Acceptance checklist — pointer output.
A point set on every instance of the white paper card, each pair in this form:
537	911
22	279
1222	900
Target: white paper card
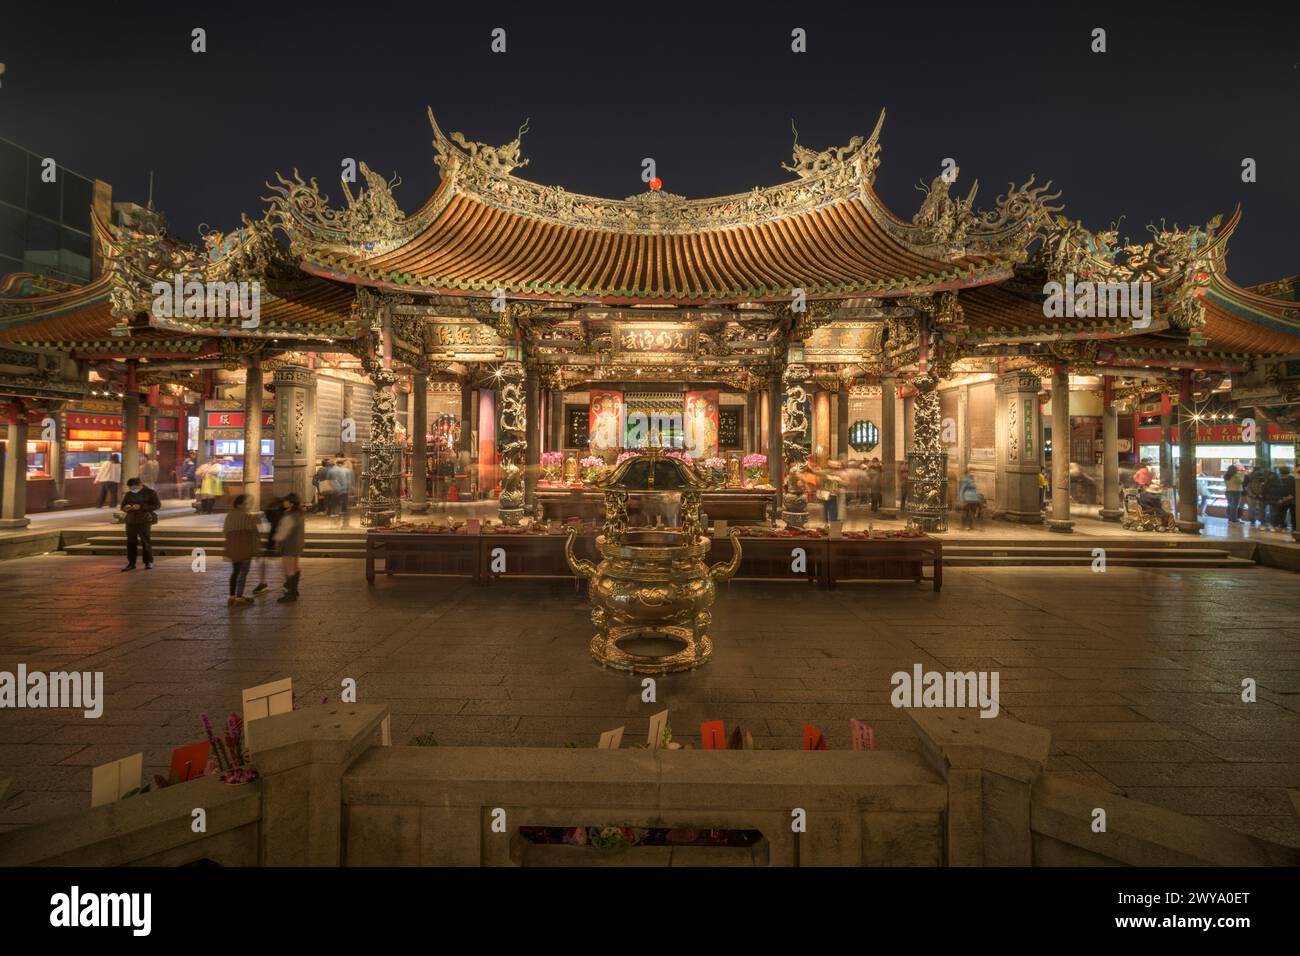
720	528
108	783
611	739
267	700
835	529
655	739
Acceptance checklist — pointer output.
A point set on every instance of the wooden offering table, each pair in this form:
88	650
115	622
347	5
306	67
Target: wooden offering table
529	556
413	552
884	559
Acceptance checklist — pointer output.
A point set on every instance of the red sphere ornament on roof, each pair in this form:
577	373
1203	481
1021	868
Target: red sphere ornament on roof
656	183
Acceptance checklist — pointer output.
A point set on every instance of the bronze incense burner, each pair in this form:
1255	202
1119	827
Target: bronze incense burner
651	592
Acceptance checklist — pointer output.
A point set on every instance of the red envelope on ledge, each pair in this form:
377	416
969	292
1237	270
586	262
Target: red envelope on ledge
713	735
864	738
813	739
189	762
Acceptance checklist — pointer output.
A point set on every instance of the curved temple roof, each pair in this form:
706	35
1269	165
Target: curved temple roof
825	233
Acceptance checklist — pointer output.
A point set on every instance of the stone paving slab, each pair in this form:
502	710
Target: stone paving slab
1136	673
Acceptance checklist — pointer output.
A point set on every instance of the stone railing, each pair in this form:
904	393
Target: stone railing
332	794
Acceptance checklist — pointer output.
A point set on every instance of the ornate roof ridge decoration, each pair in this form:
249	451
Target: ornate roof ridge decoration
825	178
1179	263
371	222
948	228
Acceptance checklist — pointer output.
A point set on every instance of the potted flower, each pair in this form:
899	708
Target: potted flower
592	468
716	465
625	455
755	469
228	756
552	463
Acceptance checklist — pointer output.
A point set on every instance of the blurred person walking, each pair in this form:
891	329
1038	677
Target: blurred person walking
272	514
290	535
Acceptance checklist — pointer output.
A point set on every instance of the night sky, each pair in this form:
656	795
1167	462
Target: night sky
1155	127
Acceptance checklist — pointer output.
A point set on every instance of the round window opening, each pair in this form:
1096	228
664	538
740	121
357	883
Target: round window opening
863	436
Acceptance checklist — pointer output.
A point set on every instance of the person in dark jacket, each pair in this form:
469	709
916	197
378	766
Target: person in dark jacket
1279	498
290	535
139	504
272	512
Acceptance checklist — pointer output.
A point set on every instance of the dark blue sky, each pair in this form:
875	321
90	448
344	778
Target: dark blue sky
1156	127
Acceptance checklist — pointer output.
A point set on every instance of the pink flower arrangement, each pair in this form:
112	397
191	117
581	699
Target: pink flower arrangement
552	458
715	463
755	461
228	754
591	461
625	455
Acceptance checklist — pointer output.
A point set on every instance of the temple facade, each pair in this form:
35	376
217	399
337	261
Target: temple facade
489	341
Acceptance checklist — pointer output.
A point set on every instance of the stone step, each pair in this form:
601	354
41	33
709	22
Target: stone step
87	549
970	551
1086	559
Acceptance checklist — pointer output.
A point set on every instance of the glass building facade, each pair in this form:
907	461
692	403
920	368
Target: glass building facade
44	226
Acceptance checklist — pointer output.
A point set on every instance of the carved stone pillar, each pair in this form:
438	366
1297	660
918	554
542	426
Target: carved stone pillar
292	462
514	443
419	430
842	449
794	425
130	427
927	461
466	416
1187	520
888	445
253	433
1060	519
382	506
1110	510
774	462
1019	458
533	453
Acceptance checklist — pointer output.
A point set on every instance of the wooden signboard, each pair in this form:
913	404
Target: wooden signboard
577	423
729	435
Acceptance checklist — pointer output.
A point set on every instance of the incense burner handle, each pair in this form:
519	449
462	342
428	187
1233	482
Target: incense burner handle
579	566
723	570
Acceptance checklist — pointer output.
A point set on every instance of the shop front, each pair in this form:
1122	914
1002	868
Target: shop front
92	438
222	447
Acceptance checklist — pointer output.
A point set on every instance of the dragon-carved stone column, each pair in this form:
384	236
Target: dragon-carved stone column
794	457
382	506
927	461
514	442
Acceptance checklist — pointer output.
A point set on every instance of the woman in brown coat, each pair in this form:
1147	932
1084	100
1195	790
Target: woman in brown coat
243	541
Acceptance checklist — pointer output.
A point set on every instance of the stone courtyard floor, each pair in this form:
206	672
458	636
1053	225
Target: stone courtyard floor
1136	673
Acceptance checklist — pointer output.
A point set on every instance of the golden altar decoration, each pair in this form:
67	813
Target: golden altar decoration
651	592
